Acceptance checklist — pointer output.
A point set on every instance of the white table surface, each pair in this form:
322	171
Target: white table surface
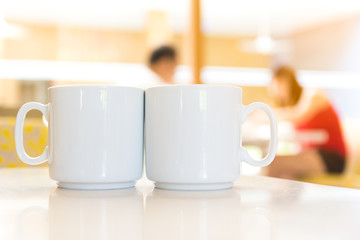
32	207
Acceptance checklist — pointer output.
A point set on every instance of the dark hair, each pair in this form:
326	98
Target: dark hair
162	52
286	73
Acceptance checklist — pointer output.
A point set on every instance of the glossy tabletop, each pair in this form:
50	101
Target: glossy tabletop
32	207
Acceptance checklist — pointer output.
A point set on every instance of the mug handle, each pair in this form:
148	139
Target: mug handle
19	131
244	155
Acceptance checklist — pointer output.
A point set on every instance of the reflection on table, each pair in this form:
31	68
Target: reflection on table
257	207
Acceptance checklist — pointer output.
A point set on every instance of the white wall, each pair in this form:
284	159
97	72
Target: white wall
334	46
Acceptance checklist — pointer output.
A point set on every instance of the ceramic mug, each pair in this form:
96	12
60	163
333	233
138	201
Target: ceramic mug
95	136
193	136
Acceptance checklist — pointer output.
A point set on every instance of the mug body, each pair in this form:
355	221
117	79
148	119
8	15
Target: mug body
192	136
95	136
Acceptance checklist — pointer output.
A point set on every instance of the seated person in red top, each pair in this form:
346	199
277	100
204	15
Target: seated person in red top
307	110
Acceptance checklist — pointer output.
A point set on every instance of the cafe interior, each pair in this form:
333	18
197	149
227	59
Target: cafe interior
299	57
238	43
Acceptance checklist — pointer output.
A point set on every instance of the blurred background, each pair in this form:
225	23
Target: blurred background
45	43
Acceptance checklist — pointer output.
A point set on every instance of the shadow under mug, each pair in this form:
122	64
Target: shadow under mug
193	136
95	136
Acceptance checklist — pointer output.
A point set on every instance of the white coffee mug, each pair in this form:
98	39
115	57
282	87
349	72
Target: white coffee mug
95	136
193	136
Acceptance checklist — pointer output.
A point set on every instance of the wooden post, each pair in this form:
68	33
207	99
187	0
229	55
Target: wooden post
196	41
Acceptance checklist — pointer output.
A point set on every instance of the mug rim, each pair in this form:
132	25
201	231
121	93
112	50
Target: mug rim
189	85
79	86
